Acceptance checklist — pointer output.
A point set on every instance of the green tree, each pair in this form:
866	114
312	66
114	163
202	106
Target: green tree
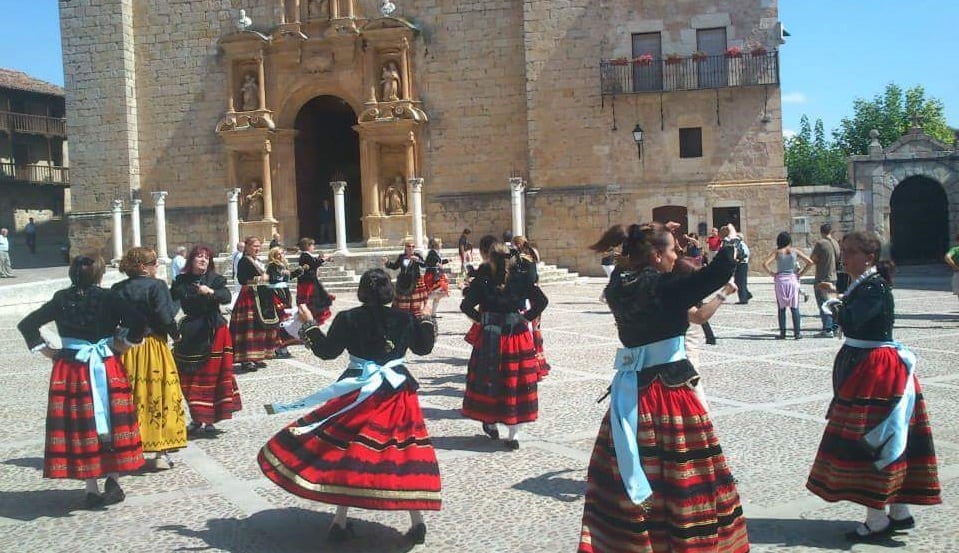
891	114
811	159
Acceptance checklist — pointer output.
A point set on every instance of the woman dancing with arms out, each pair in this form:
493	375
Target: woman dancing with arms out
657	479
502	376
91	418
309	288
366	446
204	353
877	448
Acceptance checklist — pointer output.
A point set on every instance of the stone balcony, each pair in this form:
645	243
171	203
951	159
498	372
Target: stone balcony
625	76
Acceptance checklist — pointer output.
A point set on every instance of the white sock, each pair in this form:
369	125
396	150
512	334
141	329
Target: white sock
416	517
92	486
876	519
513	431
899	511
339	519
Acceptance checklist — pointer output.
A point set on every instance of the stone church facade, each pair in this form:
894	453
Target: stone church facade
468	96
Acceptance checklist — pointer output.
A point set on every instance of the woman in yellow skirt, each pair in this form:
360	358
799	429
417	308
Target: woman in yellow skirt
150	366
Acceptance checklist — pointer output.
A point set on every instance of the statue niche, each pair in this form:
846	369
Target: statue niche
390	82
249	97
394	199
253	202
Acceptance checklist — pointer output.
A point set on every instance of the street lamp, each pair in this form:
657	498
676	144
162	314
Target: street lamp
638	139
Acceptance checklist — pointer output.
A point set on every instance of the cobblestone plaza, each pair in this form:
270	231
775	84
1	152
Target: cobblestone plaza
767	397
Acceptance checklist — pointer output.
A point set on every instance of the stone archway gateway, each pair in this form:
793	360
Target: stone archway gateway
918	221
327	149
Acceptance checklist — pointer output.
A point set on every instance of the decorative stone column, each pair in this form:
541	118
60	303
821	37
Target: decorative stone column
339	209
416	191
159	202
267	185
117	231
517	187
135	220
233	217
261	75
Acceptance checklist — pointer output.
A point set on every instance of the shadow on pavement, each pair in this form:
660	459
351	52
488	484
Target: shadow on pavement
432	414
292	530
823	534
551	485
34	504
26	462
479	443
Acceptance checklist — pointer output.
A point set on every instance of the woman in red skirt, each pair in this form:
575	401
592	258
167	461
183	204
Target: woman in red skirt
254	319
411	292
502	376
204	353
877	448
366	445
437	284
657	479
309	289
92	427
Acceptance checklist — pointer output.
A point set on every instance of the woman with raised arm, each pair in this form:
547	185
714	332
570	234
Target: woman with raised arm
309	288
503	372
877	448
204	353
150	366
411	292
254	319
92	427
657	479
366	445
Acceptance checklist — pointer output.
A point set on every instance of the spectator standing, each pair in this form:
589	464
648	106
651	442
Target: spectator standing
952	259
31	233
713	242
276	242
325	219
6	270
825	254
465	250
741	276
177	263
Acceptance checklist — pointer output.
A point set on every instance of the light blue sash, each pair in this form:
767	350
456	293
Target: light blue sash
889	438
624	407
93	355
276	285
368	381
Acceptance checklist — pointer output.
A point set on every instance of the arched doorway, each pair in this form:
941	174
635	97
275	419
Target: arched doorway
327	149
918	221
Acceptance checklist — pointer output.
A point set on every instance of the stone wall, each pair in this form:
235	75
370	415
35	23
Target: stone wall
481	212
823	204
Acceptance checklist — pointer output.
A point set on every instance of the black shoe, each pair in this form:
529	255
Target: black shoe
112	492
259	365
491	430
248	366
93	501
340	534
417	534
870	535
781	336
902	524
283	354
798	336
193	427
512	444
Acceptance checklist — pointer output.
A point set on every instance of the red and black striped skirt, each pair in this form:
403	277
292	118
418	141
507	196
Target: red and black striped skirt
73	449
544	367
211	392
507	395
844	470
305	291
251	342
377	455
437	282
414	302
694	506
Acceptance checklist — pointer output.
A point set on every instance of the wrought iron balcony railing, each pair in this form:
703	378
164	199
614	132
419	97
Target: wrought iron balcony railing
625	76
32	124
43	174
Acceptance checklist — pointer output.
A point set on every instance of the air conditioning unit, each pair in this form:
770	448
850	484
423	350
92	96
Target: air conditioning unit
800	225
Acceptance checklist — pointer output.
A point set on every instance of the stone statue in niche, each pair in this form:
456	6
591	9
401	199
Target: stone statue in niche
390	81
318	9
394	200
253	202
249	99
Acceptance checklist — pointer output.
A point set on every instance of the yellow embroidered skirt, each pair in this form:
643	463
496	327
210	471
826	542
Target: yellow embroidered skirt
156	392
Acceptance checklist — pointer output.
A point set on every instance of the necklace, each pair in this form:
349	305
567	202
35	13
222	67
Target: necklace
868	273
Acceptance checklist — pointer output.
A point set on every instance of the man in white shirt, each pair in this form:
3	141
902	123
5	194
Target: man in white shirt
177	263
6	270
234	260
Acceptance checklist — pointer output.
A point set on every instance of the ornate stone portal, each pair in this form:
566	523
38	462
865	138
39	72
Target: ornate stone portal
322	48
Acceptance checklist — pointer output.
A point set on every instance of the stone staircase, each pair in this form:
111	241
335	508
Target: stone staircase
338	279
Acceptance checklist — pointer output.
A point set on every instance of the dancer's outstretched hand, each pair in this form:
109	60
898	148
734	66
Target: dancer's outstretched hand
304	313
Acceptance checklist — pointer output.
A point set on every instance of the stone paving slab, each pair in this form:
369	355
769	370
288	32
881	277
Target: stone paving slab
767	398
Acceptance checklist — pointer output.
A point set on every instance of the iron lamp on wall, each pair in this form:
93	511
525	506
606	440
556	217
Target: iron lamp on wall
638	139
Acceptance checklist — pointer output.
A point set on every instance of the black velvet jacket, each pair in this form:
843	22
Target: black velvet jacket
246	271
312	262
152	299
90	314
195	305
373	332
869	311
650	306
490	298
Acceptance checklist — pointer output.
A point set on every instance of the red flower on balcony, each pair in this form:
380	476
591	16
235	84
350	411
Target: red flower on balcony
619	61
645	59
673	59
734	52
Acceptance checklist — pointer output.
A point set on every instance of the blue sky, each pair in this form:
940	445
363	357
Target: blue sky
839	50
